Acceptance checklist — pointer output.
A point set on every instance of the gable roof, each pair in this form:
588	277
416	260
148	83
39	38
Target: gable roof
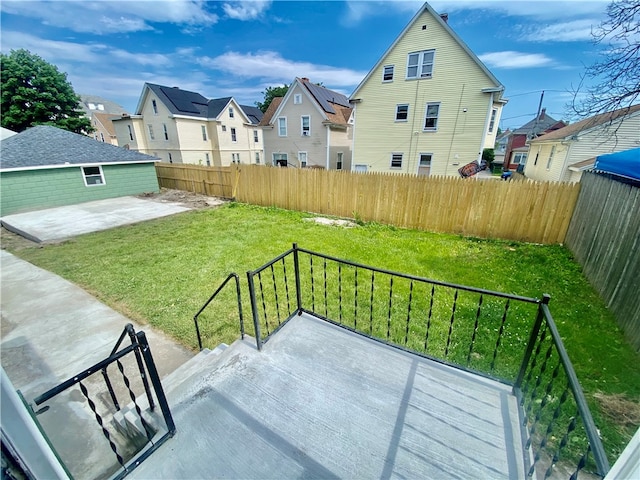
325	97
540	123
107	105
427	8
105	121
271	109
587	124
44	146
192	104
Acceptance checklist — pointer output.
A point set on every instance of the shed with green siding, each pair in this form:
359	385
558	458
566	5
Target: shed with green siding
46	167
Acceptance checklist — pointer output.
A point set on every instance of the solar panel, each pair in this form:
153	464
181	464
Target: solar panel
183	100
324	96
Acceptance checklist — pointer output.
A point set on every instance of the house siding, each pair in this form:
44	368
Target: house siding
456	84
26	190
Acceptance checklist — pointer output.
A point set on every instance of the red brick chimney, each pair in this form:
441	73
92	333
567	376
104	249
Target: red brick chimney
445	17
542	113
304	79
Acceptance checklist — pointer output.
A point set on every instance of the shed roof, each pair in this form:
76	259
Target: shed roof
44	145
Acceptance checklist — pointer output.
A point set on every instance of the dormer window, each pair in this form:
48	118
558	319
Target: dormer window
420	64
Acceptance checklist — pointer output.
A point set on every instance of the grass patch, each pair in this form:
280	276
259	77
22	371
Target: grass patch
161	272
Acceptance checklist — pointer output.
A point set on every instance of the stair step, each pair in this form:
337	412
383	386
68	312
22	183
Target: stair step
191	367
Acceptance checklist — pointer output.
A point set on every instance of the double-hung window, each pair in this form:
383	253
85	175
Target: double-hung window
302	158
492	122
387	74
431	117
204	132
339	161
402	112
230	112
258	158
255	136
154	105
396	160
306	125
151	136
166	132
297	99
234	137
93	176
551	154
420	64
282	126
130	132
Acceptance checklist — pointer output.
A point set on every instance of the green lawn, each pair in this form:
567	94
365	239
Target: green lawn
161	272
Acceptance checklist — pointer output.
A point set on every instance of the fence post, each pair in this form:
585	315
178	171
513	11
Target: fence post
532	340
296	267
254	310
143	374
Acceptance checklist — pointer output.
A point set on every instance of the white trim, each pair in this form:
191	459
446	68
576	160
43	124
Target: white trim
102	182
73	165
485	131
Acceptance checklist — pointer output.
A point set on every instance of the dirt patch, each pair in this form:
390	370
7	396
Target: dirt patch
14	242
619	409
192	200
332	221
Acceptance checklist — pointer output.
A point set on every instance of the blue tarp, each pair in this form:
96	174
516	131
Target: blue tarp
625	163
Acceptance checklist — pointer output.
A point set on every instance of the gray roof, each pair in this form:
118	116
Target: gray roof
44	145
184	102
539	124
107	105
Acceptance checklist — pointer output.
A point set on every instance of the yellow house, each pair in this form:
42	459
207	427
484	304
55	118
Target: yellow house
562	155
428	107
180	126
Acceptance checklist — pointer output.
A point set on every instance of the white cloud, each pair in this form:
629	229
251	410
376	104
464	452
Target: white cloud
576	30
246	10
511	60
112	16
271	66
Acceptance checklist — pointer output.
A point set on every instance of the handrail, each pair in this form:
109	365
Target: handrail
206	304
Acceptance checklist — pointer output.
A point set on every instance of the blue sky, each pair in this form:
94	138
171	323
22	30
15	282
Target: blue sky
227	48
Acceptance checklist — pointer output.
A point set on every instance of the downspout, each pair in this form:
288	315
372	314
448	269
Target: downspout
486	128
328	146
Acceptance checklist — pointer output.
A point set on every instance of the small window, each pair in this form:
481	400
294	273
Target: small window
151	136
387	75
306	125
224	128
402	112
282	126
230	112
431	117
420	64
280	159
102	136
551	154
492	122
302	158
396	160
207	159
257	158
170	158
339	161
92	106
130	132
425	159
92	176
255	136
519	158
234	138
297	99
204	132
166	132
235	157
154	105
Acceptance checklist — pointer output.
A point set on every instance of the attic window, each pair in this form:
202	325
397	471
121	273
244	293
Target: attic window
420	64
297	99
424	27
93	176
155	106
387	75
230	112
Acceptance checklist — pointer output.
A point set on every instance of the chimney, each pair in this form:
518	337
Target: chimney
445	17
304	79
542	113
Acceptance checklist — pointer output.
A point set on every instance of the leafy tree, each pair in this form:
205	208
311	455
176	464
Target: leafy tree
269	94
617	74
35	92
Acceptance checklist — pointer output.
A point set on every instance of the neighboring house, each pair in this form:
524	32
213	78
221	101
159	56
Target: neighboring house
6	133
517	148
46	166
180	126
428	107
308	127
500	147
562	155
100	111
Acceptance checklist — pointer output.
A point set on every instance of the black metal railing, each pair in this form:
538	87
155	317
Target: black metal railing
473	329
212	297
147	369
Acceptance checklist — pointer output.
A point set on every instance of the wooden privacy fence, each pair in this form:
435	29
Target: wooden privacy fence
525	211
604	236
211	181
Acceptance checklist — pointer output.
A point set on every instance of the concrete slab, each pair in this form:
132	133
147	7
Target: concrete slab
60	223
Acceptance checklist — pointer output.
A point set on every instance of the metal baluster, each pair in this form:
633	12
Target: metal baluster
313	289
581	463
406	332
453	316
264	305
132	395
475	331
105	432
389	313
534	362
426	335
286	285
340	290
499	340
326	310
275	292
544	401
355	306
371	304
563	443
543	368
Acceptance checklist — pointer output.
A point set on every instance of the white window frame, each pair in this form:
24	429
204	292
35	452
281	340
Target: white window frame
340	161
519	158
255	136
398	106
99	175
281	156
492	121
421	65
297	99
154	105
235	158
420	155
224	128
387	73
427	116
551	154
257	158
234	135
151	135
231	113
282	126
303	159
394	159
305	132
203	128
